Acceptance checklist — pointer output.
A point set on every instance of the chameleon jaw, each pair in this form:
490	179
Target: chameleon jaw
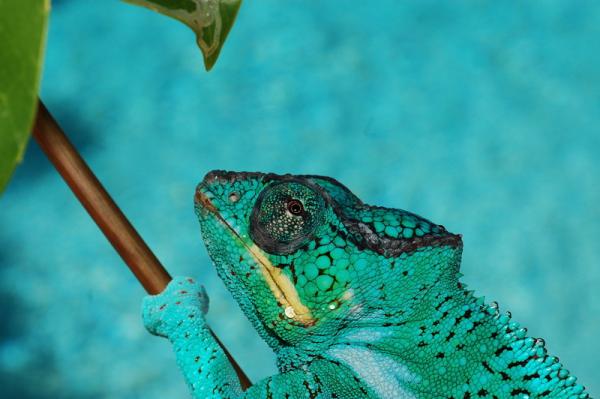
280	285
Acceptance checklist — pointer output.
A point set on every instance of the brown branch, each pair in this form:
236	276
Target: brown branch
105	212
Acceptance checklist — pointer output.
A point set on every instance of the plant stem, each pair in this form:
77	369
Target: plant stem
105	212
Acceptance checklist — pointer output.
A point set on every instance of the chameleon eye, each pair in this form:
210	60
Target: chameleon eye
295	207
285	216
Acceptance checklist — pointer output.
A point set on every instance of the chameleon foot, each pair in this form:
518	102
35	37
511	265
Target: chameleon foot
183	299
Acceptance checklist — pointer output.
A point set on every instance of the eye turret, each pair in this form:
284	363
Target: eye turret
286	216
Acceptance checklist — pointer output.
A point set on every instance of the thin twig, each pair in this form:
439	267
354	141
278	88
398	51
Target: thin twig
105	212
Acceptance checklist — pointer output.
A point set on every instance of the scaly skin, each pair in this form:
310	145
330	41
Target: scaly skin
356	301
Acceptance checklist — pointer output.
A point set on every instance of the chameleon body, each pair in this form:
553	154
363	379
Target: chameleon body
357	301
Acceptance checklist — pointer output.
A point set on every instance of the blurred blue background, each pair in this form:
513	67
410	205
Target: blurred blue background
480	115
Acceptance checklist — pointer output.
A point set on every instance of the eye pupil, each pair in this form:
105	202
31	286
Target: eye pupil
295	207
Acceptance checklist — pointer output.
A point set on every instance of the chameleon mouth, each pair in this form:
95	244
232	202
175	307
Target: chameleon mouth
205	202
281	286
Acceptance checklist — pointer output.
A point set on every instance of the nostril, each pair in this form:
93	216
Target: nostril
234	197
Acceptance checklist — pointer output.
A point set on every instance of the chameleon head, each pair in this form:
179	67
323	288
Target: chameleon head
294	250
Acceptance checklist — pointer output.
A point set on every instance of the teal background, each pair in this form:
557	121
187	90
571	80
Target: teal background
480	115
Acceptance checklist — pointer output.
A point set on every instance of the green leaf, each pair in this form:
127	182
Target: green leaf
211	20
22	38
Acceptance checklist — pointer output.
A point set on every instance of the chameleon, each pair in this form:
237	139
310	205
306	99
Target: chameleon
356	301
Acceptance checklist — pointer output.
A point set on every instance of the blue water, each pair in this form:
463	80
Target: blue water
482	116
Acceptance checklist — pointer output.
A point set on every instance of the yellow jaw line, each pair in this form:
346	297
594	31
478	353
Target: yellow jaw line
282	288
